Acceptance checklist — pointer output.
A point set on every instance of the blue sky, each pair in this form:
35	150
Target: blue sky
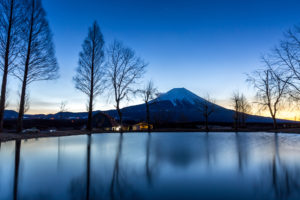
206	46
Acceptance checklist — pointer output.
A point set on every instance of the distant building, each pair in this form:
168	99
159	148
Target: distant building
143	126
114	128
105	122
118	128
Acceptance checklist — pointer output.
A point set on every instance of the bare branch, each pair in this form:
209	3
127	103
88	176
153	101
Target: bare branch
206	107
271	89
26	104
90	77
241	109
124	70
11	22
37	56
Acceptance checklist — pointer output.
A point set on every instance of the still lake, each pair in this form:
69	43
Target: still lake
152	166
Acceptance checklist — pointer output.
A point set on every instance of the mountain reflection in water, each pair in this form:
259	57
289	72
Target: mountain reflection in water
152	166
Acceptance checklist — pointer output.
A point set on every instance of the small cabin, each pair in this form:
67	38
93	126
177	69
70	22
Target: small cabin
114	128
118	128
143	126
105	122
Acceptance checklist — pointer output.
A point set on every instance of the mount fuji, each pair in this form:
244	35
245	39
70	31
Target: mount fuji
178	95
180	105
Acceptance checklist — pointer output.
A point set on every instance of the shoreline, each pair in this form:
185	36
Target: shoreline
7	136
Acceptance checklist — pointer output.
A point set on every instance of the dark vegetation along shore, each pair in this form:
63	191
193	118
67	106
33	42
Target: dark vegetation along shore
9	135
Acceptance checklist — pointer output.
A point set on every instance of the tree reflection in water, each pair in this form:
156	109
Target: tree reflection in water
207	149
285	180
242	150
80	186
88	167
115	186
147	164
58	153
123	180
17	165
151	165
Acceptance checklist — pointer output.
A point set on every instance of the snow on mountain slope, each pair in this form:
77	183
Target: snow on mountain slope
179	94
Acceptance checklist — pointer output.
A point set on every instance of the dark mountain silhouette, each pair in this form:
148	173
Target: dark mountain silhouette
178	105
11	114
181	105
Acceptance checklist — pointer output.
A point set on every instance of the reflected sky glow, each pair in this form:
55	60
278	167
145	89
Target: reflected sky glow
154	166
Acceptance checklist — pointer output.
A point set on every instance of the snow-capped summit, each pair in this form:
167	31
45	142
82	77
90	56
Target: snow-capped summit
178	95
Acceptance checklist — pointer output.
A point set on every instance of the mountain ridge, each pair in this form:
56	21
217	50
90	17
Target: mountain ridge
178	105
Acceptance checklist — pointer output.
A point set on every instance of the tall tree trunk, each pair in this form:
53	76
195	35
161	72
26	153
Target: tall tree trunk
17	164
3	98
206	123
275	126
120	116
90	116
236	121
206	118
243	120
5	70
22	102
26	67
148	116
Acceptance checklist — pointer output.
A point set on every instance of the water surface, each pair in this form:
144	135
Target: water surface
153	166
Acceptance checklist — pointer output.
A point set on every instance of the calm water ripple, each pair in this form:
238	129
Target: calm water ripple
152	166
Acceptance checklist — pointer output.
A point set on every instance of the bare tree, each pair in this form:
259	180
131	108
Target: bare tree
90	77
237	107
6	99
38	60
26	104
10	26
62	108
245	109
148	93
241	108
286	57
206	108
124	69
271	89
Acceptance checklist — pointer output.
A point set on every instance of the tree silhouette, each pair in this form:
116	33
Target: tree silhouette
90	77
62	108
148	93
241	108
124	70
286	58
236	106
207	108
271	89
10	28
38	60
26	102
245	108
